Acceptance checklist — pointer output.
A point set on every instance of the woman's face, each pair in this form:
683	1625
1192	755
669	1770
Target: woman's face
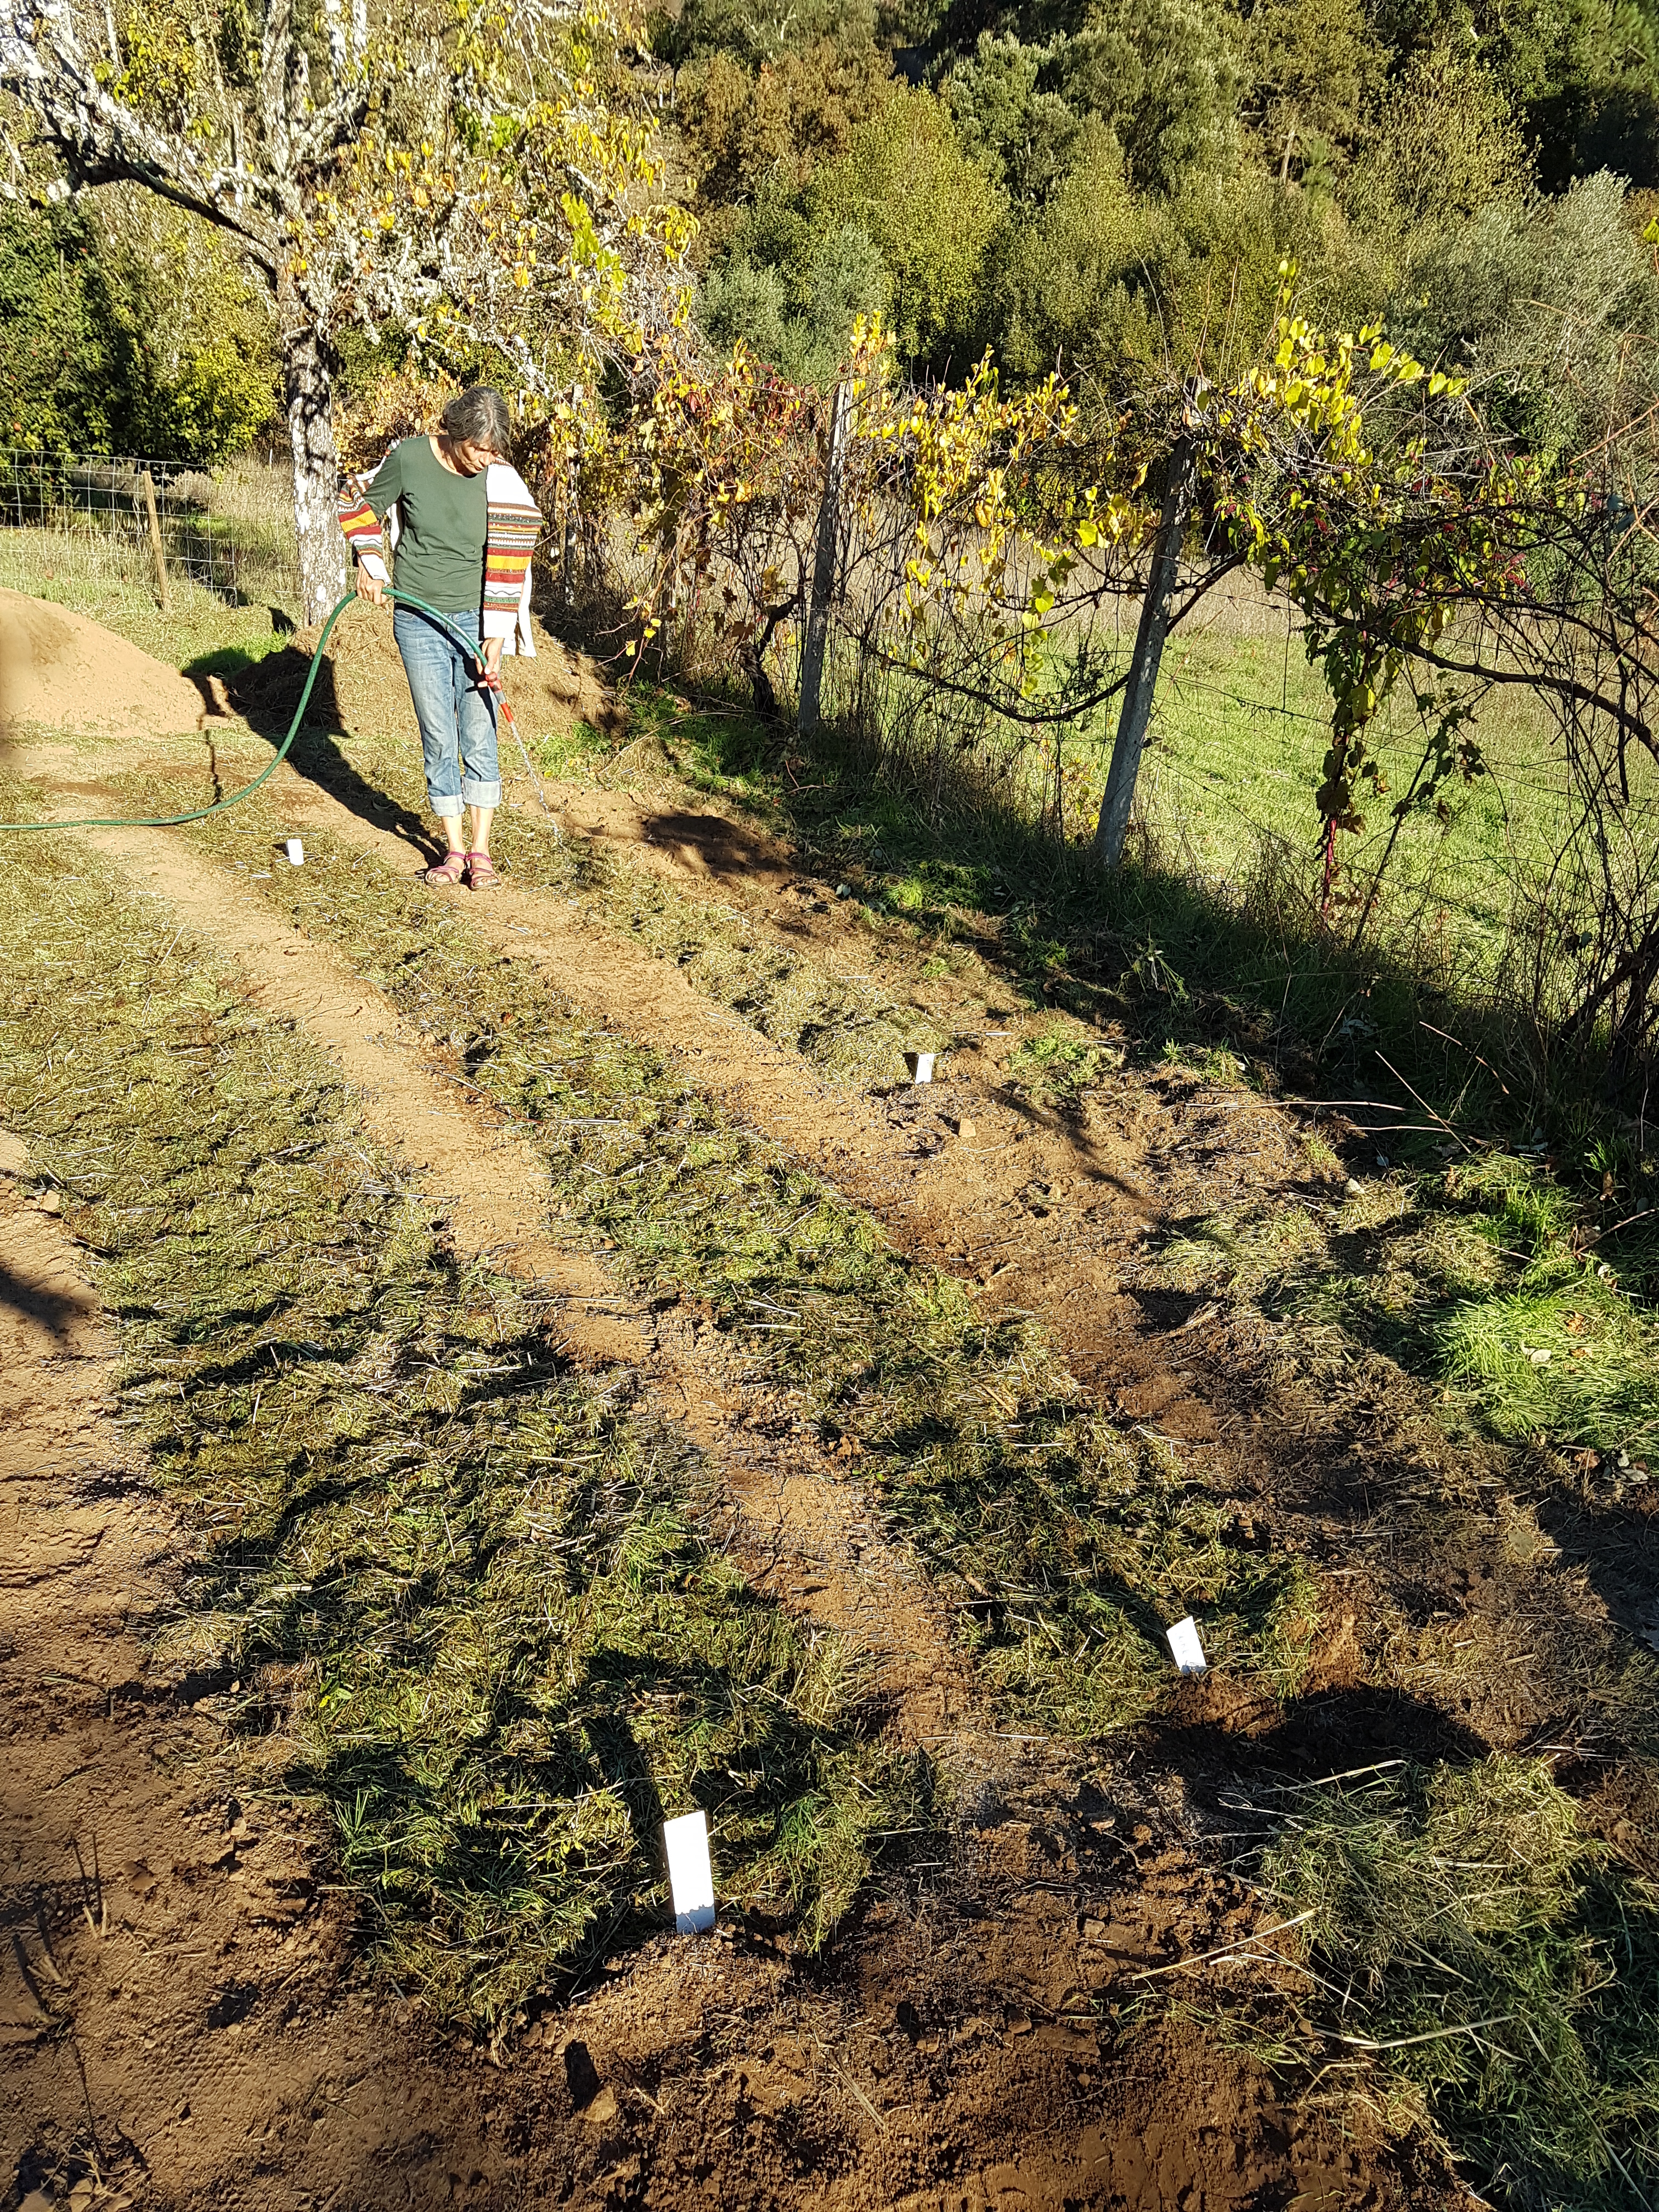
469	456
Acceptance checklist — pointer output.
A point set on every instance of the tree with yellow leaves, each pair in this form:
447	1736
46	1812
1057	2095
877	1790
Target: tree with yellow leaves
485	177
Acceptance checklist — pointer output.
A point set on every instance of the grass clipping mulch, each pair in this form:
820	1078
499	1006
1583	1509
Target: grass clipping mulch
1065	1542
1457	1924
474	1601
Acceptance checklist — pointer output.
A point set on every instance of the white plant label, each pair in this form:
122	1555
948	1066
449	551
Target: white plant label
691	1877
296	854
921	1066
1184	1647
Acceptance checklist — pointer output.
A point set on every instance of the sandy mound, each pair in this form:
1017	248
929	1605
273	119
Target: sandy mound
60	670
363	692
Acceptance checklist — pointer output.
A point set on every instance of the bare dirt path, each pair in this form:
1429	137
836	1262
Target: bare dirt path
810	1537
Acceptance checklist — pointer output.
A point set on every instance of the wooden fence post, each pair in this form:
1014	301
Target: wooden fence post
147	485
1114	823
823	567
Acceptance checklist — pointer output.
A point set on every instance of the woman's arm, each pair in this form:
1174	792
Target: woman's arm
514	525
362	506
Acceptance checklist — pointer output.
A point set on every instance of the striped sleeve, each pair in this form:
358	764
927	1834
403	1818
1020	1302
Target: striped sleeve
515	524
358	519
362	502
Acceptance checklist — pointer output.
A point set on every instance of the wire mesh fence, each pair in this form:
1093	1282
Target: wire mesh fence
227	530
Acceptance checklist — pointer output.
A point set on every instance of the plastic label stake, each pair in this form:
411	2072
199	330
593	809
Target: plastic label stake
921	1065
691	1877
1184	1647
296	854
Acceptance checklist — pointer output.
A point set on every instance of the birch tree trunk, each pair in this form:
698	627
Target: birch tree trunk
316	472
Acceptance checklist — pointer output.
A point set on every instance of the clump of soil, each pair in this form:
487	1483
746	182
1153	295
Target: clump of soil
361	690
61	671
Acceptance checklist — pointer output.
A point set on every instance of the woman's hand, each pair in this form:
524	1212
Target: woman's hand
370	587
492	653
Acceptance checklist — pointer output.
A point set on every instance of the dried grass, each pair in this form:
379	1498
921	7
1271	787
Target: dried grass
1464	1932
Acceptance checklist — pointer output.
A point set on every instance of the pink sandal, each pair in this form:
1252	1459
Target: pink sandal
449	872
481	871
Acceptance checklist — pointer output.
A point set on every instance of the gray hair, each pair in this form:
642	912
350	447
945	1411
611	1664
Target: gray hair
478	418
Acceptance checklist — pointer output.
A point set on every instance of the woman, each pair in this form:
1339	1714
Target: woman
462	526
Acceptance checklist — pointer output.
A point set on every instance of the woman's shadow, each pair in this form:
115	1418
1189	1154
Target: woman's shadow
265	693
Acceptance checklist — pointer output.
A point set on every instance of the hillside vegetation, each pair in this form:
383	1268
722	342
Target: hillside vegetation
1106	187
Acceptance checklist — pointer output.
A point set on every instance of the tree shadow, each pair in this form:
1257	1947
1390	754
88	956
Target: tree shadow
56	1312
1249	963
1613	1543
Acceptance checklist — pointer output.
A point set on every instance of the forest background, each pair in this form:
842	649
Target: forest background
1110	188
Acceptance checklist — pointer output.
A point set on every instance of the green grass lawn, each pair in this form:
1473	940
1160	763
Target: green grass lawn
111	580
1241	727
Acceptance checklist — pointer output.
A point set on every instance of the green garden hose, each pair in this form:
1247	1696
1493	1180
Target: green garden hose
177	821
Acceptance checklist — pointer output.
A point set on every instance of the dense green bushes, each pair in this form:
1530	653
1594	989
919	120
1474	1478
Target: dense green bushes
1112	185
1104	185
127	328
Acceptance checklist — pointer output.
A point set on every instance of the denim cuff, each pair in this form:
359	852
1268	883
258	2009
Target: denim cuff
475	792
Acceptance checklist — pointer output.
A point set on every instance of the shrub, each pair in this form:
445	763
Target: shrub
906	181
1499	295
748	131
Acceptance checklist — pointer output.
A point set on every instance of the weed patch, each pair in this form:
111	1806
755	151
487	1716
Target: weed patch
1056	1066
1486	1278
1465	1934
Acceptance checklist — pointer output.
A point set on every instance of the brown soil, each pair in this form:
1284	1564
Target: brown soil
1040	1207
363	693
65	672
960	2047
1049	1211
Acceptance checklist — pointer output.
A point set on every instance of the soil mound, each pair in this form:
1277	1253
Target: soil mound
361	690
60	670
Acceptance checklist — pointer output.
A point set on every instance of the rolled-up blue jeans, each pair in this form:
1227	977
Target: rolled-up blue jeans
457	716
